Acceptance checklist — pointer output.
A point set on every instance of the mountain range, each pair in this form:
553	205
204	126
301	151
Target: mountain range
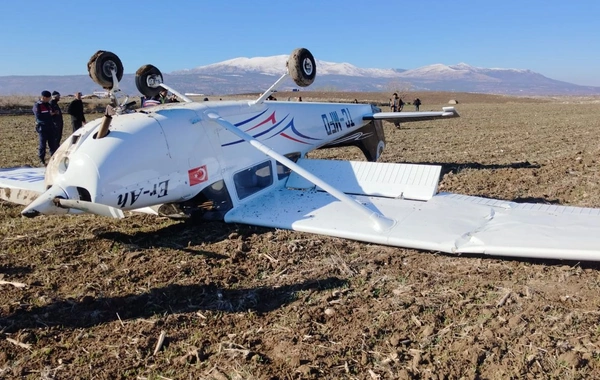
252	75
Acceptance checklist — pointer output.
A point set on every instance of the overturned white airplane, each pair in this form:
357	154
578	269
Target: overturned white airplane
245	162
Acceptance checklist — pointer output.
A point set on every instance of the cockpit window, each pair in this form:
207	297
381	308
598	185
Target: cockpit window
251	180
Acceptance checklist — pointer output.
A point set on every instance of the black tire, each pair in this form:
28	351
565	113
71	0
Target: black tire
147	80
302	67
99	68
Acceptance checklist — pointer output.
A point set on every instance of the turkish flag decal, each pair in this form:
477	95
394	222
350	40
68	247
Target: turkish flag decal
198	175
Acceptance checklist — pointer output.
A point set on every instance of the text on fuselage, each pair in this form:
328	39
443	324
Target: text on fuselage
333	123
158	190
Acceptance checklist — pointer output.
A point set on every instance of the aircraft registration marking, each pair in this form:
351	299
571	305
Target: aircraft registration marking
158	190
333	122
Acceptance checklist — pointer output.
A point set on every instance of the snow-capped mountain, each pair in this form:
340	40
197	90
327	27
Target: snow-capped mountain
441	72
435	77
275	65
257	65
252	75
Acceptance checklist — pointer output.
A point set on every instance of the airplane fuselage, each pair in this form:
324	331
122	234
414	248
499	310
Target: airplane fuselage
170	153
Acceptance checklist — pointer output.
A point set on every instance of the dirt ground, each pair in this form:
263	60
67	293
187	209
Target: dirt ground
240	302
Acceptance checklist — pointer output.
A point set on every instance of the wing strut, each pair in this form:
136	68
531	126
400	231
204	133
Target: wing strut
380	222
271	89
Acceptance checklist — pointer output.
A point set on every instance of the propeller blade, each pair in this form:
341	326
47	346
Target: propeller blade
93	208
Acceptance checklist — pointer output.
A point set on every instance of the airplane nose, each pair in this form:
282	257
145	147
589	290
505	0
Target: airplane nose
44	204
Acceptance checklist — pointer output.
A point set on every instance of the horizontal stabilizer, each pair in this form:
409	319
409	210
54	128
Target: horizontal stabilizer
447	112
410	181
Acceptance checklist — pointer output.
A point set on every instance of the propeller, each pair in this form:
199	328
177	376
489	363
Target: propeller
93	208
54	201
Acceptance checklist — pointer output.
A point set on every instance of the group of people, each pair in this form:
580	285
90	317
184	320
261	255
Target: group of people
397	105
49	121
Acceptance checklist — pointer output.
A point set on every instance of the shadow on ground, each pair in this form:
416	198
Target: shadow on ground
182	235
90	311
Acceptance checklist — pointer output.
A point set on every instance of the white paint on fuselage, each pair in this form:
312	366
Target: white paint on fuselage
149	155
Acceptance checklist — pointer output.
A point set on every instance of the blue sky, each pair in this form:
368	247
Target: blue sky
558	39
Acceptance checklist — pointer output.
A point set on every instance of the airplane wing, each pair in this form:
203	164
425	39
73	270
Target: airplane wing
21	185
444	222
447	112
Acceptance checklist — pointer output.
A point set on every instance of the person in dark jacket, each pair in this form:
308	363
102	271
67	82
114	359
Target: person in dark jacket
417	104
394	103
44	125
57	117
76	111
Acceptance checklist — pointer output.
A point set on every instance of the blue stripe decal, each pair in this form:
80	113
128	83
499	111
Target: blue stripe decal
252	118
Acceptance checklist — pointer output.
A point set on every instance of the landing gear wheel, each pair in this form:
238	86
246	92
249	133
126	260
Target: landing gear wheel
147	80
100	68
302	67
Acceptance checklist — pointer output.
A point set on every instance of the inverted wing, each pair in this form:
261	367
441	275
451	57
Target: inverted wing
21	185
447	112
446	222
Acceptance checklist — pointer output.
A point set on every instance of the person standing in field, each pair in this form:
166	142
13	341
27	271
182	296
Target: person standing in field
57	117
395	103
417	104
76	111
44	126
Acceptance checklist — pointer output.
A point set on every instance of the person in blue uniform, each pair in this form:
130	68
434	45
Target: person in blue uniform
57	117
44	125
